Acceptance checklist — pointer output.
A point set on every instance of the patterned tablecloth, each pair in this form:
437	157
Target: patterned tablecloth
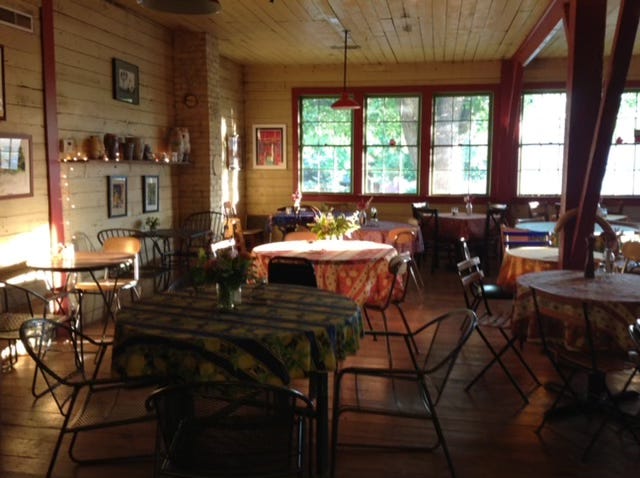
522	260
379	232
278	333
356	269
612	302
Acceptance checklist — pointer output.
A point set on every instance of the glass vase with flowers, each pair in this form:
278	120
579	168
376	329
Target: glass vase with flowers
330	226
229	270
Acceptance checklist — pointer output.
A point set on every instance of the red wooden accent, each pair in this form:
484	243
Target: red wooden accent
504	168
622	50
56	217
584	87
546	27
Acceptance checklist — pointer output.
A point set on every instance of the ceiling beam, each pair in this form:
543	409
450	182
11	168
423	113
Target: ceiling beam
546	28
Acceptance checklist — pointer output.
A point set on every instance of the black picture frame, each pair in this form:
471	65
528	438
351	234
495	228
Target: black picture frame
150	193
126	82
3	104
16	166
117	195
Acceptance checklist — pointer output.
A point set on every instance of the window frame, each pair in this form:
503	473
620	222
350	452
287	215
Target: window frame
427	93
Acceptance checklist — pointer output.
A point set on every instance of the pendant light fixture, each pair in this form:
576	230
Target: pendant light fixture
184	7
346	102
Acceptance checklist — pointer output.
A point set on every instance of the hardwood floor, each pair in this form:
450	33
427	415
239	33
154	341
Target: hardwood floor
489	430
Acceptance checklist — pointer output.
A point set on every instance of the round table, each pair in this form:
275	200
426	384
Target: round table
612	299
356	269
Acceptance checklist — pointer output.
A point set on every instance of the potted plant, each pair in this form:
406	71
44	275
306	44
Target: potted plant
152	222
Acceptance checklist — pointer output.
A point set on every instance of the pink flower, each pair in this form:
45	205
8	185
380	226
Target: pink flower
296	197
364	204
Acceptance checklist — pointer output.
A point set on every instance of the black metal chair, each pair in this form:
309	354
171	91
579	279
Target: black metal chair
236	428
85	401
197	231
477	293
427	218
291	270
399	271
496	216
412	392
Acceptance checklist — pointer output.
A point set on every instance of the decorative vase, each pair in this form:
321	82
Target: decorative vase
362	217
469	208
228	296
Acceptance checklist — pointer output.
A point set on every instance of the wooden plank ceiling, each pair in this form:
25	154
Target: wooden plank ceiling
287	32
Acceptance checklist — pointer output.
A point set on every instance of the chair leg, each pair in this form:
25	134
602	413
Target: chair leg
497	359
511	341
408	330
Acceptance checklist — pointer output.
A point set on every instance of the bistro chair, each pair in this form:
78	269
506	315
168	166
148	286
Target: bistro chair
197	231
404	240
427	218
20	301
476	294
572	365
631	254
85	401
411	393
399	274
496	216
113	282
291	270
153	262
301	236
238	428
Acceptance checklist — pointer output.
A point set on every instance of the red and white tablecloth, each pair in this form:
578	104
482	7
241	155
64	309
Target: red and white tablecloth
356	269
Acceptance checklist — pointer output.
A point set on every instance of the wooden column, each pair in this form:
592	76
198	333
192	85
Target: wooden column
585	38
504	185
622	51
56	218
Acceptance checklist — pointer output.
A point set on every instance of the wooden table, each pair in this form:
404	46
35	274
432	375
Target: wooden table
356	269
278	333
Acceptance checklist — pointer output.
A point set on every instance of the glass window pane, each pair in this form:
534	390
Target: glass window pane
391	160
326	137
460	145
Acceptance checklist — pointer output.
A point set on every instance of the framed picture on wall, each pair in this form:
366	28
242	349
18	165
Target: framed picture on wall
3	111
117	195
269	146
126	82
16	176
150	194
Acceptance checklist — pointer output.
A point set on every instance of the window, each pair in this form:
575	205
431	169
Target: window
460	145
541	153
326	147
622	177
391	150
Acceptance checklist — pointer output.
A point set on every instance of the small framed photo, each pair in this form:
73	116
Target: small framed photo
117	191
16	175
150	194
3	111
126	82
269	146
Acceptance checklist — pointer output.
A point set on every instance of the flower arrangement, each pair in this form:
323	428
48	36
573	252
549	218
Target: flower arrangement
229	268
328	226
296	197
363	204
152	222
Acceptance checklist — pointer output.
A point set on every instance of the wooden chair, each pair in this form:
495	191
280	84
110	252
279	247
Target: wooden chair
631	254
246	237
301	236
404	240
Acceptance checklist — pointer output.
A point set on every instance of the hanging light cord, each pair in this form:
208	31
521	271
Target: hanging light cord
344	76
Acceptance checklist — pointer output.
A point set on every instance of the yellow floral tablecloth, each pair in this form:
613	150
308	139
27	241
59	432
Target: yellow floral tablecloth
356	269
278	333
611	300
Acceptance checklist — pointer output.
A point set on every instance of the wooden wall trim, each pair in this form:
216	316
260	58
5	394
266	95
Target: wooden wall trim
546	27
56	217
